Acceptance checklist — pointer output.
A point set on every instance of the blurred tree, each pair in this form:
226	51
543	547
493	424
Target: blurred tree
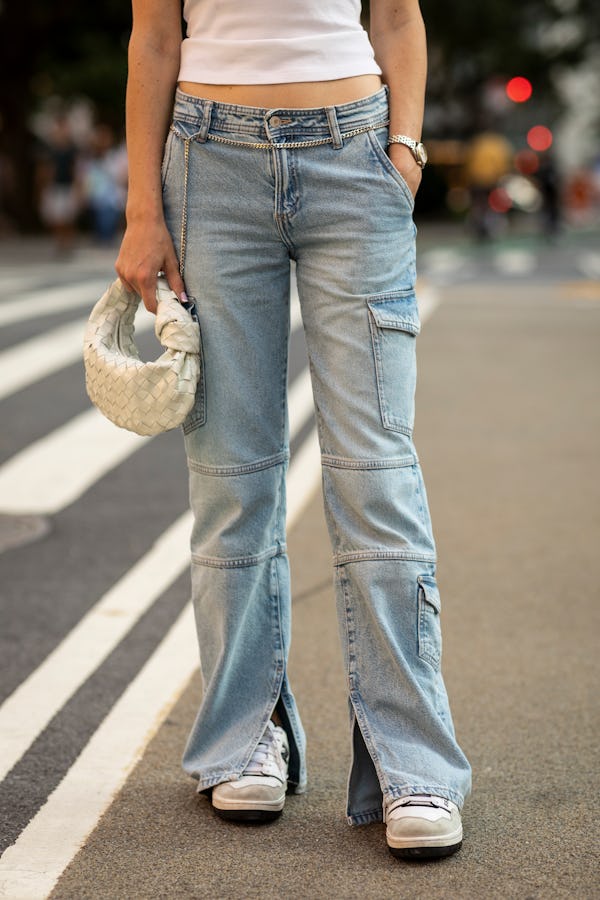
474	50
470	45
64	48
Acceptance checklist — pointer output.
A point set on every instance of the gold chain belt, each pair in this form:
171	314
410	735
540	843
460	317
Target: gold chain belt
291	145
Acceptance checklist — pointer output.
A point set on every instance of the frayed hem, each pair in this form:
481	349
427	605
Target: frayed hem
208	782
366	818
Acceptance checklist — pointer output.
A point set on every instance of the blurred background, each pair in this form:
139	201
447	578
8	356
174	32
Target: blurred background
512	122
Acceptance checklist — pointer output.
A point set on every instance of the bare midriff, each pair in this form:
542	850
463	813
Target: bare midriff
292	95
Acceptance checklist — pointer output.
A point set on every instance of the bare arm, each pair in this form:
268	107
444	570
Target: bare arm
154	50
398	37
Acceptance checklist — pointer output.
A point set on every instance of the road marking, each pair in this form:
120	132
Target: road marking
442	261
55	470
303	476
515	262
25	714
42	302
581	290
31	867
300	399
427	300
589	264
33	864
27	711
40	356
295	314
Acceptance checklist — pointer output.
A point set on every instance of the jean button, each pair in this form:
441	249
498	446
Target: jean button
275	121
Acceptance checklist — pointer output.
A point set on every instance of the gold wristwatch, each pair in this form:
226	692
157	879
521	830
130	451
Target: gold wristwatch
416	147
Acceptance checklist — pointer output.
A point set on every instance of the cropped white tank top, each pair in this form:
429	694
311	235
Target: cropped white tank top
274	41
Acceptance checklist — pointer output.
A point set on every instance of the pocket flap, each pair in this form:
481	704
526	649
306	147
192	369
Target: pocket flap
397	310
430	591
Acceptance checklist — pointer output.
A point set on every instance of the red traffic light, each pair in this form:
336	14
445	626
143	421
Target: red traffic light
539	138
519	89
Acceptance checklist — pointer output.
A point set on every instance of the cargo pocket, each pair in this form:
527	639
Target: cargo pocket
429	630
394	322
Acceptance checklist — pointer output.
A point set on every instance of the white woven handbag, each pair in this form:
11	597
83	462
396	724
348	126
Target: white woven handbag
144	397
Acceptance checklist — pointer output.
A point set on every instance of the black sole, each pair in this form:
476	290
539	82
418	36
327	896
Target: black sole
416	854
248	816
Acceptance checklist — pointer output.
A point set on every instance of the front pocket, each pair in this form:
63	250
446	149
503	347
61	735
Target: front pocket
429	629
166	160
377	138
394	323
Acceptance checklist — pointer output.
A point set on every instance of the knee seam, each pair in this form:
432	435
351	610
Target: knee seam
342	559
266	462
225	562
343	462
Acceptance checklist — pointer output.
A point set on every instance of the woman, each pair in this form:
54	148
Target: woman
278	150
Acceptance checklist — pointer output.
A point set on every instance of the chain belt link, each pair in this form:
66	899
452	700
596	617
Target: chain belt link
288	145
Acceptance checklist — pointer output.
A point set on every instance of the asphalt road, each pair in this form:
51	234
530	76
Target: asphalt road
508	431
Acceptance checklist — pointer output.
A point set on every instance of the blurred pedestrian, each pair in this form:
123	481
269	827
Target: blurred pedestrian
105	183
284	143
548	181
489	157
59	184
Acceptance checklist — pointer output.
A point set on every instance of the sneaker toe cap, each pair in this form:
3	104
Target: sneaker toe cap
414	831
229	792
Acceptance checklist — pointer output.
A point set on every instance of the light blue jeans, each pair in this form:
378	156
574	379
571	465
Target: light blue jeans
314	185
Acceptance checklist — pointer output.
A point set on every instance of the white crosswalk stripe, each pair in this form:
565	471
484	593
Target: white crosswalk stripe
54	471
43	302
515	262
589	264
32	360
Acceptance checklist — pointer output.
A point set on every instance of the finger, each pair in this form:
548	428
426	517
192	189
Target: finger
128	285
174	278
147	284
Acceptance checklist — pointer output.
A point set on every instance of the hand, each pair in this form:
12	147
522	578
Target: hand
146	249
404	161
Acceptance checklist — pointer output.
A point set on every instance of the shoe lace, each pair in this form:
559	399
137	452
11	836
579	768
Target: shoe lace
266	759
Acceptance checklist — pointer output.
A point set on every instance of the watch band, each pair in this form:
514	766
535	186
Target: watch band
416	147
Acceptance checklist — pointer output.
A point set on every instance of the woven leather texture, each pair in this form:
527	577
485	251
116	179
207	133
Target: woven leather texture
144	397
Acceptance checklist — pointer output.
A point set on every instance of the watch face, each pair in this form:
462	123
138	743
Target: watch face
421	154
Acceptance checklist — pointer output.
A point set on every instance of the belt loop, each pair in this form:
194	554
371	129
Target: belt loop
334	128
206	116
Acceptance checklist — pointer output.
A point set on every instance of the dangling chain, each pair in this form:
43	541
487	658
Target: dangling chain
184	206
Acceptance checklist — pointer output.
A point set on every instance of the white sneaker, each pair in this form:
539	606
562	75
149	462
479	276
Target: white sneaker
259	793
423	827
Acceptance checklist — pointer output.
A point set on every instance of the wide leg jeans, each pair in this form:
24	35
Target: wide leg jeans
254	189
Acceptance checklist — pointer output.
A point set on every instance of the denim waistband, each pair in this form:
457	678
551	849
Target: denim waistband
280	125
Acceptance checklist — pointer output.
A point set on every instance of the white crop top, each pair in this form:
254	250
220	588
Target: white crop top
274	41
